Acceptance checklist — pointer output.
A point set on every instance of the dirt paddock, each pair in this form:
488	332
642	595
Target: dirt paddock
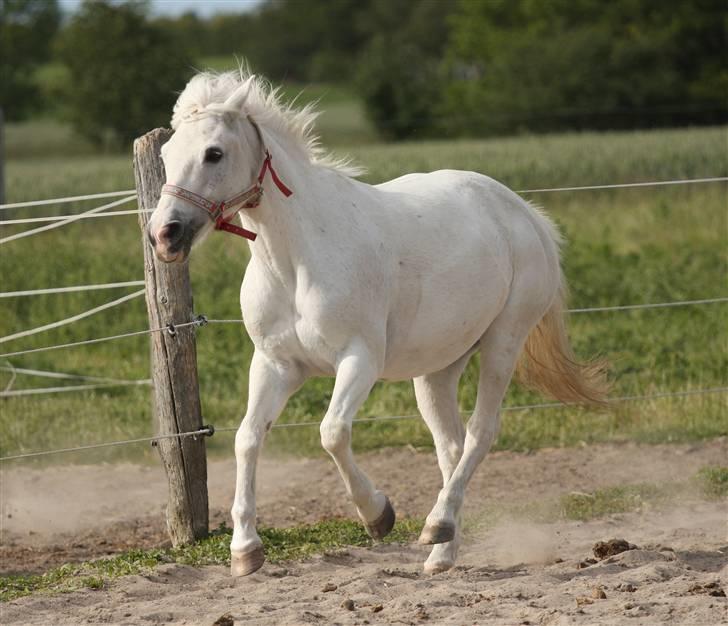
518	573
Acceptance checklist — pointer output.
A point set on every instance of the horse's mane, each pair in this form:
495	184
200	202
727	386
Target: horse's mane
207	91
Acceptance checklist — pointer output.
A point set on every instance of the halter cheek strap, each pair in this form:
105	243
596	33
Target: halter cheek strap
248	199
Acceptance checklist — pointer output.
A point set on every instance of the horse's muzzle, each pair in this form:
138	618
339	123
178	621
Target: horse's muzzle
169	242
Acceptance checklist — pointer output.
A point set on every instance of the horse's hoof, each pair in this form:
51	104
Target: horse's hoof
244	563
438	533
437	568
382	526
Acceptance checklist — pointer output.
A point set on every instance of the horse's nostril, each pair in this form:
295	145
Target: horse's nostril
171	232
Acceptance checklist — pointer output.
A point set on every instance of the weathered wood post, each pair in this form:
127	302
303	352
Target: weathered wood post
174	360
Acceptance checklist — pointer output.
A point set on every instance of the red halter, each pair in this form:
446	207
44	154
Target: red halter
248	199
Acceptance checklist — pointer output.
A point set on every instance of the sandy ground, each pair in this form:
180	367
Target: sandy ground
518	573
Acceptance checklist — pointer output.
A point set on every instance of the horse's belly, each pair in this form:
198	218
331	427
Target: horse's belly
443	321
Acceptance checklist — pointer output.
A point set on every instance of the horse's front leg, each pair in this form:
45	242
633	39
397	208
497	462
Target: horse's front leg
271	383
356	373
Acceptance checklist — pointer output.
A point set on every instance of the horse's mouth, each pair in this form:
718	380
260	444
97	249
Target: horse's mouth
177	253
172	256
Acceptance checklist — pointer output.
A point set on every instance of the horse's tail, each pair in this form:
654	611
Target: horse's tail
548	363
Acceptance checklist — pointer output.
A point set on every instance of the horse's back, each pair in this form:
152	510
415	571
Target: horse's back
443	184
457	208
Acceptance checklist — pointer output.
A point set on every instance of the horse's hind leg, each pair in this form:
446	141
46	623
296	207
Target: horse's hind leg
355	376
499	351
438	403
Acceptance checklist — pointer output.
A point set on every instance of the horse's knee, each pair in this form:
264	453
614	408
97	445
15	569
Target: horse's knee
335	435
454	451
247	440
483	429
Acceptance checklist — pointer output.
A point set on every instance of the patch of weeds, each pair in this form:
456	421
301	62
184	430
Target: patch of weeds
713	481
584	506
599	503
281	544
93	582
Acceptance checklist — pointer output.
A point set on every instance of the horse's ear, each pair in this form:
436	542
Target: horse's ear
237	98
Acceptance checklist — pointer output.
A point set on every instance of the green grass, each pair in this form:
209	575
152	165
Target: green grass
624	246
280	545
713	481
602	502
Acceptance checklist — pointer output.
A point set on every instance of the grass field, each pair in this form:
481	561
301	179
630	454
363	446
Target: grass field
624	246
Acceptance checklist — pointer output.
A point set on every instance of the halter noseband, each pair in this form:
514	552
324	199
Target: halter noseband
248	199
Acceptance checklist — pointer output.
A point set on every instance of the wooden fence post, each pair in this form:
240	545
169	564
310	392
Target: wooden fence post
174	361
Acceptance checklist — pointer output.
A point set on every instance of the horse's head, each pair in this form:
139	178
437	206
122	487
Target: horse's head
213	155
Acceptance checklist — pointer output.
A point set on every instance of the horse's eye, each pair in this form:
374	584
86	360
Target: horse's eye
213	155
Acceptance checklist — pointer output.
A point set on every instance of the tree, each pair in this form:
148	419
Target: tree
399	70
124	71
526	64
26	30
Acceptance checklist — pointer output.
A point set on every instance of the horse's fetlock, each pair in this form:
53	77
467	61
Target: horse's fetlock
237	512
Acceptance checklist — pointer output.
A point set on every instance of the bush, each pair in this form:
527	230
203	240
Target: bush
26	28
399	88
399	71
124	72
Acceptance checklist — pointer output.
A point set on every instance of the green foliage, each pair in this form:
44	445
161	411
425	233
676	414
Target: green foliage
585	64
425	68
398	74
478	67
26	29
284	39
397	87
124	72
307	40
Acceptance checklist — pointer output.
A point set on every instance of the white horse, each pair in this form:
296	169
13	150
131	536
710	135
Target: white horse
406	279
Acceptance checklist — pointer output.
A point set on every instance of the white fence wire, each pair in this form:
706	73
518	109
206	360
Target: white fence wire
210	430
91	382
653	183
62	375
90	196
195	433
132	192
171	328
64	222
73	288
13	393
73	318
201	320
81	216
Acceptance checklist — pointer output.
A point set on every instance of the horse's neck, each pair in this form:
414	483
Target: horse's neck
287	226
